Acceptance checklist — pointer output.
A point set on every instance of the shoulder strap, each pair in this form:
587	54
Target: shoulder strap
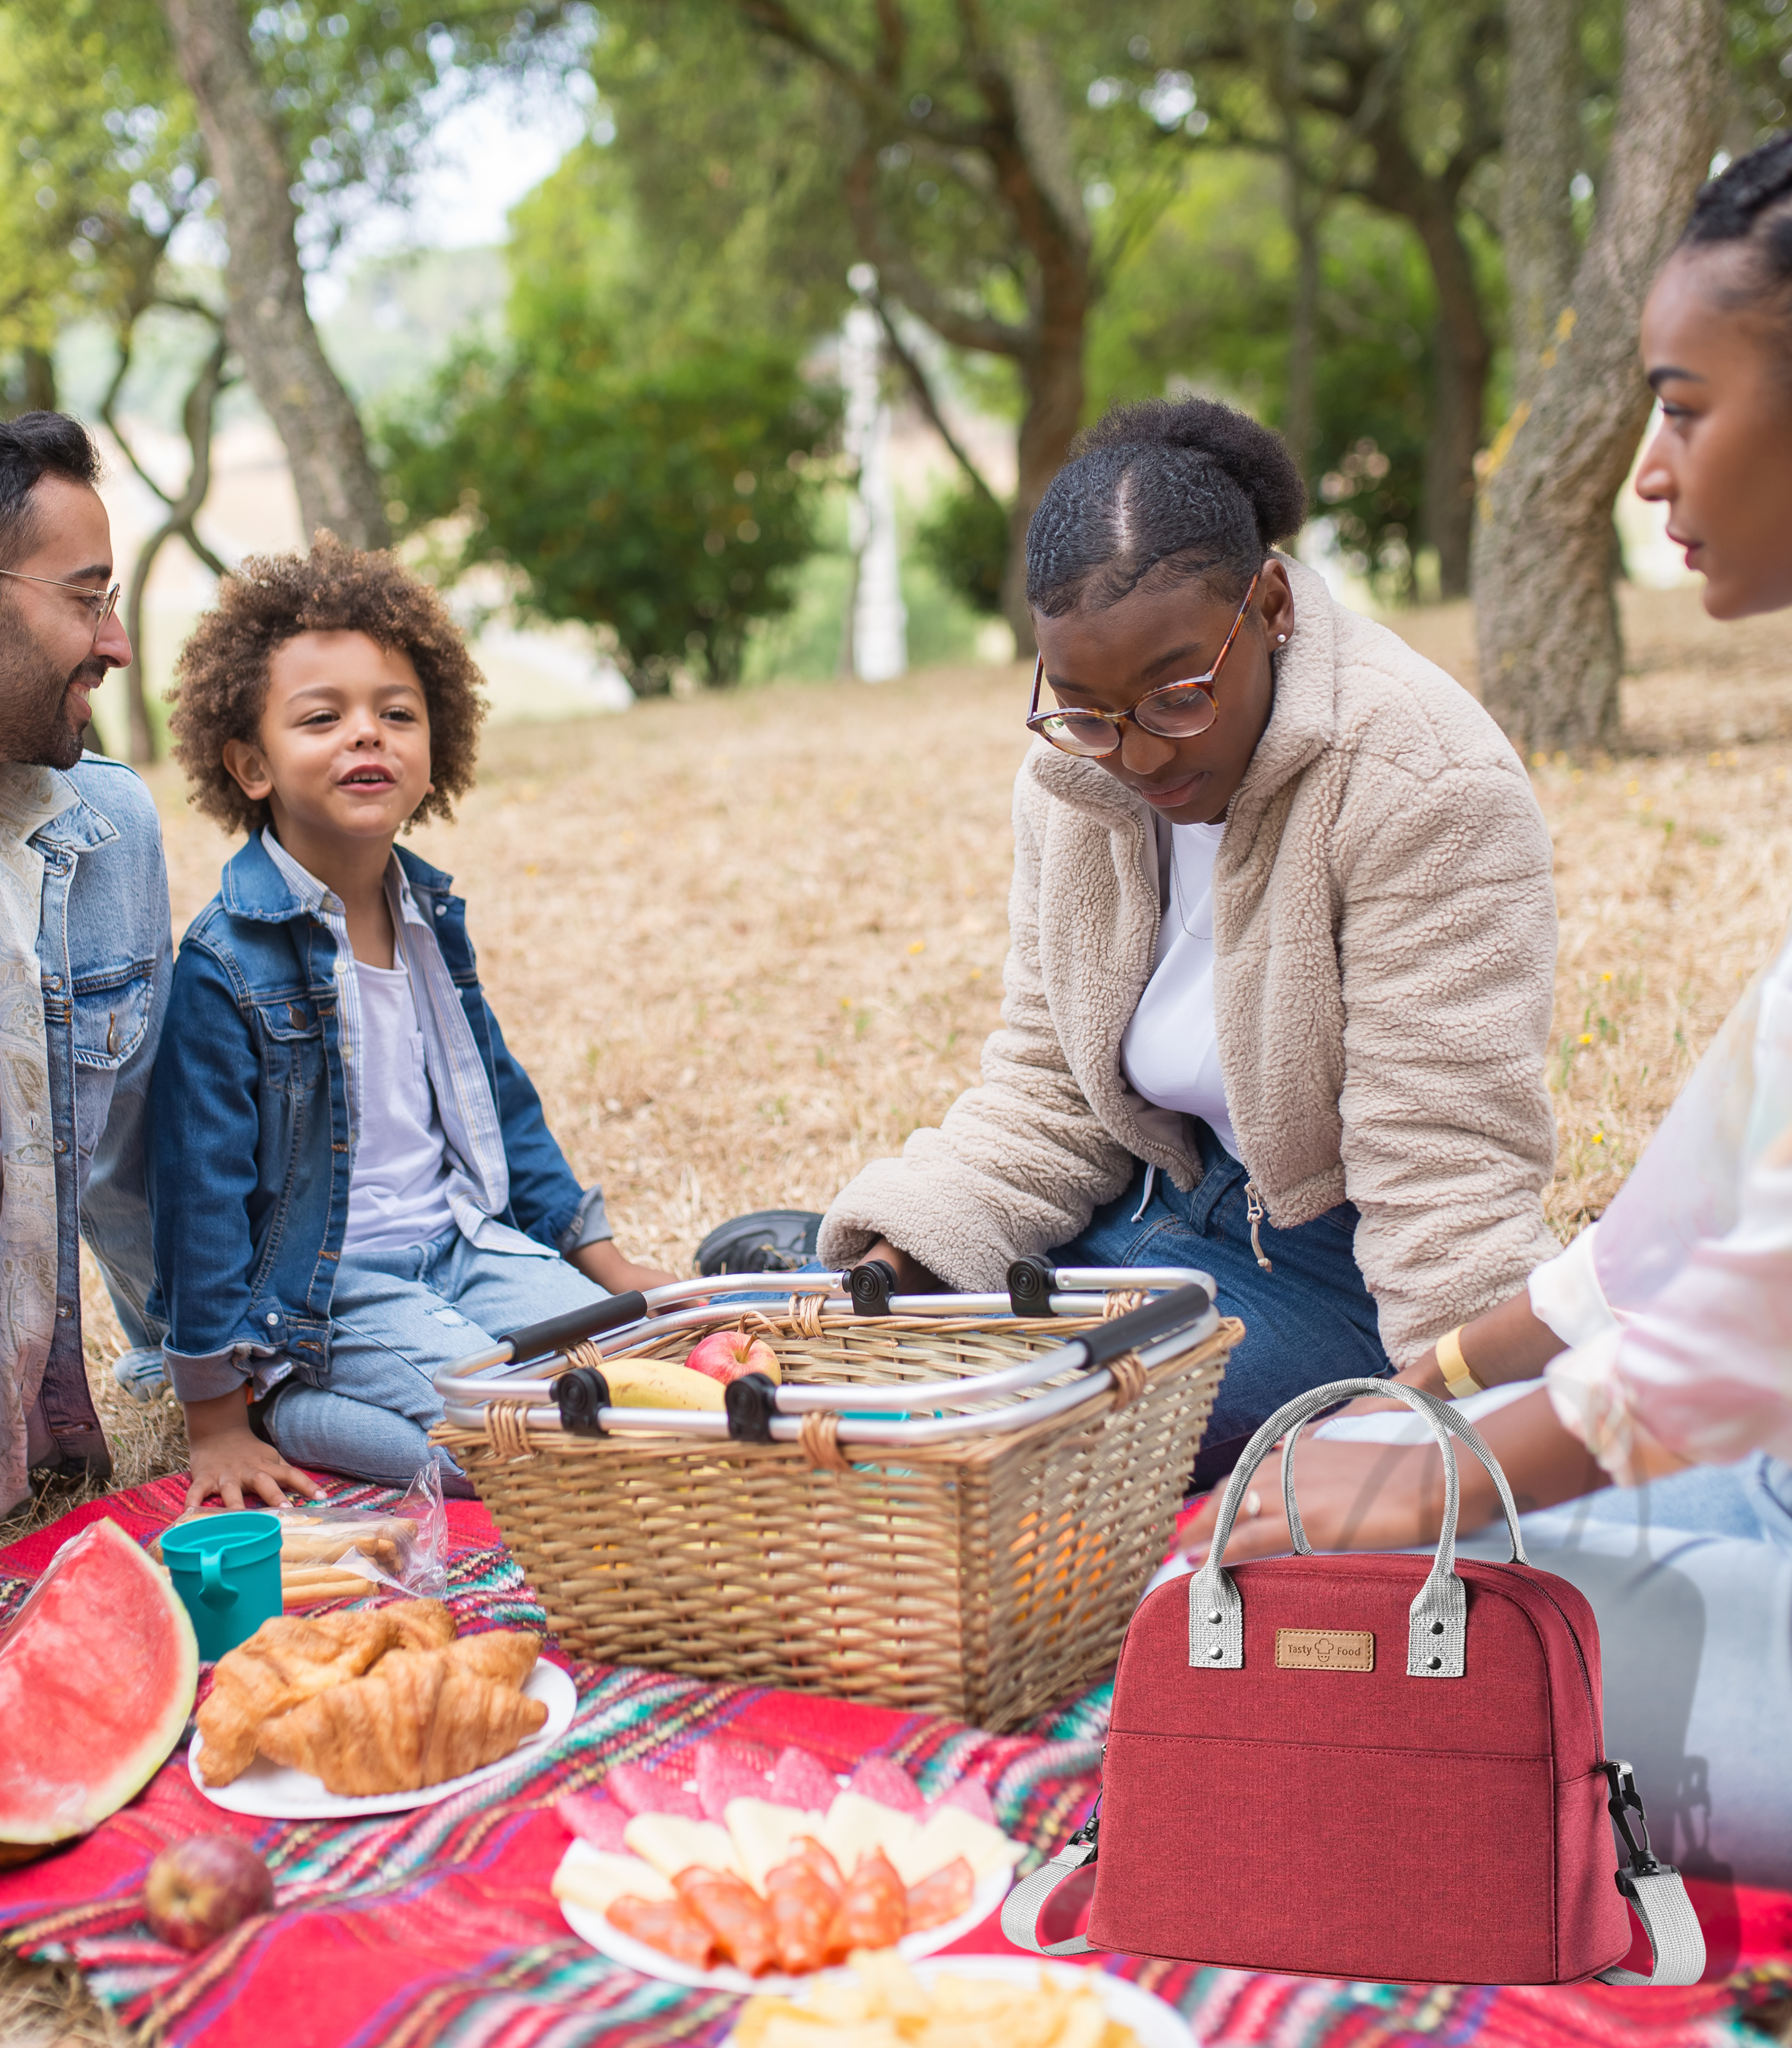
1676	1940
1655	1890
1023	1906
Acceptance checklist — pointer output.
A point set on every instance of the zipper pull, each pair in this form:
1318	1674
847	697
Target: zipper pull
1254	1210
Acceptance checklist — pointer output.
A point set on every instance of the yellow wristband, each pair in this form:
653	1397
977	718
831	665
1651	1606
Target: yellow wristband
1457	1377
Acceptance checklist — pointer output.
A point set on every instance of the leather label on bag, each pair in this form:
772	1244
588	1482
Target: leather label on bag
1324	1649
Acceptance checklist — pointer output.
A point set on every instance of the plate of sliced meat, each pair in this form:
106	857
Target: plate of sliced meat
722	1883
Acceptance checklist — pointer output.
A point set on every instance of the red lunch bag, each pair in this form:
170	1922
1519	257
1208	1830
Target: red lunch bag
1369	1765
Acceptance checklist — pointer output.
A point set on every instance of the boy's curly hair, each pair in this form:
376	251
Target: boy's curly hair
221	674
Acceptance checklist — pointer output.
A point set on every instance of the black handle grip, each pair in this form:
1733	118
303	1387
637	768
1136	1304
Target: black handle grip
871	1283
537	1340
578	1396
1139	1326
752	1401
1029	1286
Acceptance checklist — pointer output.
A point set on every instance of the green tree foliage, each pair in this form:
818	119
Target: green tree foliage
963	537
638	470
953	146
99	162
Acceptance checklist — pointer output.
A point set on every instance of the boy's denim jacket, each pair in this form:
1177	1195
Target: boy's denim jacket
104	954
250	1147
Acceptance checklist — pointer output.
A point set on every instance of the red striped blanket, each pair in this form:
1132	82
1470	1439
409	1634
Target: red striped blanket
438	1926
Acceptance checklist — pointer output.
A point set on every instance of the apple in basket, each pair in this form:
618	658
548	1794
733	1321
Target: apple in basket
726	1355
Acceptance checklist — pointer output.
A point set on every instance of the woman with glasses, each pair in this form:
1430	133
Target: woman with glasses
1282	948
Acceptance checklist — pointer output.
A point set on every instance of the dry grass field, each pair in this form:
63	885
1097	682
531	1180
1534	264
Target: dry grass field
745	944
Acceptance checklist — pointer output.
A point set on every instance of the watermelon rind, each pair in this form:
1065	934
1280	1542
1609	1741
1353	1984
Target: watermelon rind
130	1599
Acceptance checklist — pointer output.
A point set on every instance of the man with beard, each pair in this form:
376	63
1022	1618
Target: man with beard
84	959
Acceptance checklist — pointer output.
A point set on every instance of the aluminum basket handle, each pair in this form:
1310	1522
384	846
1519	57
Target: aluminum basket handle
758	1411
496	1373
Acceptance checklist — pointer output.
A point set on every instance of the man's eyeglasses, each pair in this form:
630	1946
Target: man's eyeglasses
1177	711
102	603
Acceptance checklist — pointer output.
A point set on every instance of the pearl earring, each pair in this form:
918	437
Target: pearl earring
1281	639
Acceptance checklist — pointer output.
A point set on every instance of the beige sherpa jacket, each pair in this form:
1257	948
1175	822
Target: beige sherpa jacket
1385	940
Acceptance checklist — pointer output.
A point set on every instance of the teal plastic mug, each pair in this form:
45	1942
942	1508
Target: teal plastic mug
226	1568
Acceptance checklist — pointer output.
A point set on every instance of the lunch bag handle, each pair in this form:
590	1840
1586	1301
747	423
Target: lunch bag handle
1436	1643
1436	1632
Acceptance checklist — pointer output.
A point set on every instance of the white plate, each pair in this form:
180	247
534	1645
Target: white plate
273	1793
1155	2024
621	1948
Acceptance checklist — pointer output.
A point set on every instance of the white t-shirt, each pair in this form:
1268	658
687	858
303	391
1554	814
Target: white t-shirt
1170	1053
397	1194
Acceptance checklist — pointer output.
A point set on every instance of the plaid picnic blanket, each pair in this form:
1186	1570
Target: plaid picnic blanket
437	1927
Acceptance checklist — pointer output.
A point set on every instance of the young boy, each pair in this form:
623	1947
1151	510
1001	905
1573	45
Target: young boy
351	1180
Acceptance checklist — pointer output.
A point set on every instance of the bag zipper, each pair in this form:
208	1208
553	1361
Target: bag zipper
1579	1654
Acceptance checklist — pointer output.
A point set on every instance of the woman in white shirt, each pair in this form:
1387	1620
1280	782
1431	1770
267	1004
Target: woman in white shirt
1663	1334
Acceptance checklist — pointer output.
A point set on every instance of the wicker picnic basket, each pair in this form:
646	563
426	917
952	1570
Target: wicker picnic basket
982	1562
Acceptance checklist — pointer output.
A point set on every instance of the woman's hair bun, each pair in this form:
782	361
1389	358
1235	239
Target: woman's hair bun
1255	457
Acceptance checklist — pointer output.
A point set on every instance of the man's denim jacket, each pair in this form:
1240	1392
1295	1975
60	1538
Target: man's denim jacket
104	948
250	1151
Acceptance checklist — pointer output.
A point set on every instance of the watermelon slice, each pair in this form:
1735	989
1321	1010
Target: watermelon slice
888	1783
799	1779
725	1773
972	1796
597	1821
96	1677
637	1790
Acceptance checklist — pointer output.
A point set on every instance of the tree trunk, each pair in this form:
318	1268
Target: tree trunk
39	380
1301	424
1550	655
270	323
1463	355
1053	381
1542	140
199	416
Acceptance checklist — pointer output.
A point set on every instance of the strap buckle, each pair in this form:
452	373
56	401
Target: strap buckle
1626	1799
1086	1836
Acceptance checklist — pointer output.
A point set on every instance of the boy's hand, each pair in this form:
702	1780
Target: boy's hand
605	1264
227	1457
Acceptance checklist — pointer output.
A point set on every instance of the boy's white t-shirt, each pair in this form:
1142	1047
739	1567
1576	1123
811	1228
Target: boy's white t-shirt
398	1192
1170	1051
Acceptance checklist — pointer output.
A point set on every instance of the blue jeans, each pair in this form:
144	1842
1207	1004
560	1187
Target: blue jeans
1691	1581
1310	1321
395	1319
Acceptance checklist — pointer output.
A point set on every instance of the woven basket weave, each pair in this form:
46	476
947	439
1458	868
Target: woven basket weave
986	1579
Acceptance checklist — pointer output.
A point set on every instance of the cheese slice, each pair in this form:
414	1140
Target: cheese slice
597	1878
855	1825
672	1844
763	1833
951	1831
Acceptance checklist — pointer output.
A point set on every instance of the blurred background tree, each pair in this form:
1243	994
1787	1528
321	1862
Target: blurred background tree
640	457
1358	218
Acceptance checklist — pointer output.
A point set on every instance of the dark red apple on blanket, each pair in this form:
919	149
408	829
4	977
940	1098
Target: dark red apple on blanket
201	1888
727	1355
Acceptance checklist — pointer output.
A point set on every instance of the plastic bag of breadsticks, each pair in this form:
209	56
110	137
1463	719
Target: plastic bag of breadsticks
330	1552
323	1548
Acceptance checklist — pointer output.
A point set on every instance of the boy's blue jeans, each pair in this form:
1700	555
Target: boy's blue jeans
397	1318
1310	1321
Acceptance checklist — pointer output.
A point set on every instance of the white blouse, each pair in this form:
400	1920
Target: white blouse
1170	1051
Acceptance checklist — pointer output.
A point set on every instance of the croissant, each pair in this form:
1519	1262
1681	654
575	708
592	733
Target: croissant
417	1720
421	1624
505	1656
287	1660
